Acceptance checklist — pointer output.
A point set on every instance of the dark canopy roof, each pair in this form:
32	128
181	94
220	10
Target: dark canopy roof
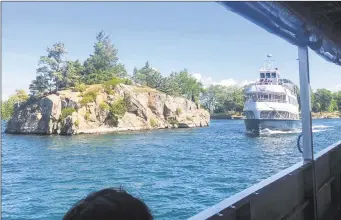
313	24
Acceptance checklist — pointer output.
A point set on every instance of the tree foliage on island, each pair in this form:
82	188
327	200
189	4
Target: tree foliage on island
102	64
55	72
148	76
50	72
185	84
176	84
7	107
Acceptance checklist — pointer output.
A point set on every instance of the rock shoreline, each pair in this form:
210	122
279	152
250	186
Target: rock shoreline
145	109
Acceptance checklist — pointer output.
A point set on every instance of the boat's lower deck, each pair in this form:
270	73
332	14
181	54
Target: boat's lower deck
255	125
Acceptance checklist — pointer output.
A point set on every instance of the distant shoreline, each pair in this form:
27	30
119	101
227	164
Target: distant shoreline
227	116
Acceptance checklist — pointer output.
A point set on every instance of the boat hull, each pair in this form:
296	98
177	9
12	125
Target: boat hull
255	125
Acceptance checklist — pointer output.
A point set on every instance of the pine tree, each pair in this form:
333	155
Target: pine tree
102	65
50	77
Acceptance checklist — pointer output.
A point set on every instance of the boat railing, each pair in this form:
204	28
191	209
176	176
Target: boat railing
275	82
267	82
269	99
289	193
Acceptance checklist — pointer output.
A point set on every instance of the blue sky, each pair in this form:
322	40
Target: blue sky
211	42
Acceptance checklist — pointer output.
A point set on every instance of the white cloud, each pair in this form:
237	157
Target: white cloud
197	76
245	82
334	88
206	81
155	69
227	82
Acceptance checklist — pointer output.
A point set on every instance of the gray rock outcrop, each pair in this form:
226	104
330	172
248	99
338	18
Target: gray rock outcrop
145	108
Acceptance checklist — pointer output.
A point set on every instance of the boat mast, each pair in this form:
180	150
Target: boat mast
268	64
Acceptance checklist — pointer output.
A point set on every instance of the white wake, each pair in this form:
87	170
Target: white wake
315	129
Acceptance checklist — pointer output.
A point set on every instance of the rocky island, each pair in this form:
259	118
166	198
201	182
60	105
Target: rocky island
99	109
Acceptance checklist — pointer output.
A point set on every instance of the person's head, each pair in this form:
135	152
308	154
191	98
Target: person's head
109	204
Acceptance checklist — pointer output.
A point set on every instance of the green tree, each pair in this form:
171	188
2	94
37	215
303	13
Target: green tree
184	84
177	83
148	76
219	99
102	64
208	98
333	106
322	99
119	71
50	76
38	85
7	107
170	85
337	98
233	99
212	98
72	73
315	107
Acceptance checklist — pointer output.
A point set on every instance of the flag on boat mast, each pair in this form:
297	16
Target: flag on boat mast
268	62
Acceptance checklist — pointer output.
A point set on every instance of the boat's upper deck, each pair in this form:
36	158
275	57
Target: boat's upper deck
271	89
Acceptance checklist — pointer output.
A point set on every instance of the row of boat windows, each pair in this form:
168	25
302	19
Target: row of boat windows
271	98
268	75
272	115
278	115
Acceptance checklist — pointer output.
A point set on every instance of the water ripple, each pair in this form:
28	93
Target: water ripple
176	172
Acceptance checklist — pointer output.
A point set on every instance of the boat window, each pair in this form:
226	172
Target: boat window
262	75
267	75
273	98
273	75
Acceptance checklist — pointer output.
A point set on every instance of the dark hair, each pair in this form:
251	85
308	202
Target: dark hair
109	204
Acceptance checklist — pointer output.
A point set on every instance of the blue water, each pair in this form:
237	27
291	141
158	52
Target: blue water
178	173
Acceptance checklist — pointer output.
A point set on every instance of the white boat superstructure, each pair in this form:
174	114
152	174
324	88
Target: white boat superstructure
271	102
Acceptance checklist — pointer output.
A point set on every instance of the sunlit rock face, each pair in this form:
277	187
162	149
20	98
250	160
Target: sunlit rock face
145	109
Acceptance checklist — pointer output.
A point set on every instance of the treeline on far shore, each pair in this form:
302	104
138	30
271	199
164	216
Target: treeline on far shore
228	101
56	72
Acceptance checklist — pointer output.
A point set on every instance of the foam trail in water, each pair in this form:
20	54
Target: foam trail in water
267	131
315	129
322	126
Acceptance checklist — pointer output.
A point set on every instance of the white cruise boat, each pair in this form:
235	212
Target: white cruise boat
271	102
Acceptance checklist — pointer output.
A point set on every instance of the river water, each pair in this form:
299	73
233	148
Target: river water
178	172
